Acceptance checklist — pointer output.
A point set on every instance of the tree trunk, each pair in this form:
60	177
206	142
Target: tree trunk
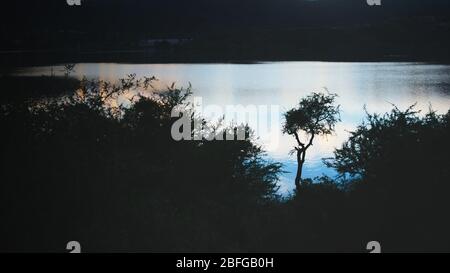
300	161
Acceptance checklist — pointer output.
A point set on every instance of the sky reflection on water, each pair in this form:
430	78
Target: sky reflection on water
374	85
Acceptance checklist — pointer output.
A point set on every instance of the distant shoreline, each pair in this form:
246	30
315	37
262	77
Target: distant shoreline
14	58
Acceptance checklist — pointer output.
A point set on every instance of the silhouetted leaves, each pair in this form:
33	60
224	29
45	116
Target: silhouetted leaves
81	166
314	116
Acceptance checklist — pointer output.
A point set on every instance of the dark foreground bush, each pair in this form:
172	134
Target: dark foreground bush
75	168
79	168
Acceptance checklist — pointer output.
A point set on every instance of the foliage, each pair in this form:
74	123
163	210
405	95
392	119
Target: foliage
315	115
79	166
82	165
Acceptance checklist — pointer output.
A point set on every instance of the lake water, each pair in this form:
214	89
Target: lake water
374	85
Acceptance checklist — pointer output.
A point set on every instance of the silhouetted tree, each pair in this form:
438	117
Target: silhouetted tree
68	69
315	115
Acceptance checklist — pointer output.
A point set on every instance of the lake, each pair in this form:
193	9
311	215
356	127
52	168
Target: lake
374	85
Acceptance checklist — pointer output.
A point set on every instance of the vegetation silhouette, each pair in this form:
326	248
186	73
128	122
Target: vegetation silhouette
111	177
17	89
81	166
398	163
315	115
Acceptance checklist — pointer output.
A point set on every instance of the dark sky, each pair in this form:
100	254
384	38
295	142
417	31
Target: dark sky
177	16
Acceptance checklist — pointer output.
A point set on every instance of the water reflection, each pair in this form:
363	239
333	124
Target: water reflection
374	85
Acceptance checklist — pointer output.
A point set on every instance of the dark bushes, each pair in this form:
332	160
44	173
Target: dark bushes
112	178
